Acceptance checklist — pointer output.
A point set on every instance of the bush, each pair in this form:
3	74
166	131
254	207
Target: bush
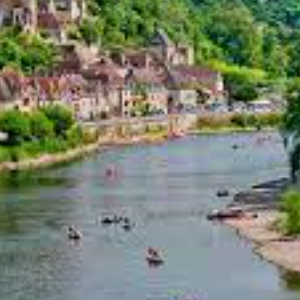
75	136
270	119
18	153
54	145
41	127
4	154
290	205
61	118
239	120
16	124
90	136
214	122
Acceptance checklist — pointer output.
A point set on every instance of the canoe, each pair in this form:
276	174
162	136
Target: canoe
154	261
226	214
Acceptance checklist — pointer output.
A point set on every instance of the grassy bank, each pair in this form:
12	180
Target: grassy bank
237	123
48	130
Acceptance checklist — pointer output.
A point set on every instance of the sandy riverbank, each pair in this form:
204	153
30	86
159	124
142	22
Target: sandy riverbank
267	242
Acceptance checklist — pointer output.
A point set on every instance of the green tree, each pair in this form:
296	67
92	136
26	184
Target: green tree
37	54
290	205
241	83
291	127
41	127
16	125
61	118
91	30
233	28
26	52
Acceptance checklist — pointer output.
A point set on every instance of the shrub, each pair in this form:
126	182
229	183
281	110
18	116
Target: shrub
270	119
18	153
90	136
61	118
75	136
41	127
290	204
16	124
4	154
213	122
54	145
252	120
239	120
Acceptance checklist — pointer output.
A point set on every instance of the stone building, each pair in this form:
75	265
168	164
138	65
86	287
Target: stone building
49	17
169	52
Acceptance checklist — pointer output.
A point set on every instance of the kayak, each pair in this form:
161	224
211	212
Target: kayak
154	261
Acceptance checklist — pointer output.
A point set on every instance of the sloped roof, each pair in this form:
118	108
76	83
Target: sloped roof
194	77
144	76
105	71
161	38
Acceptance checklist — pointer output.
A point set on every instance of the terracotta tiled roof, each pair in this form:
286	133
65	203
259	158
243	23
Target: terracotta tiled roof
146	76
105	71
47	87
194	76
67	66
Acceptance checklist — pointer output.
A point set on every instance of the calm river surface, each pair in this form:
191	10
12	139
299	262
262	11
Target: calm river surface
166	190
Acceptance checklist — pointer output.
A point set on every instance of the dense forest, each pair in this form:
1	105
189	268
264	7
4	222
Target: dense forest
260	34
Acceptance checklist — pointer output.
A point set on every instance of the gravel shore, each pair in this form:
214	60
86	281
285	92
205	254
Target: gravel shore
268	243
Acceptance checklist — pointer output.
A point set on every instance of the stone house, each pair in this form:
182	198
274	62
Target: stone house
191	86
106	80
145	93
22	13
48	17
169	52
10	89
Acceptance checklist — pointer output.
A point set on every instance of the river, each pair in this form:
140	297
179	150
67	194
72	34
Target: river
166	190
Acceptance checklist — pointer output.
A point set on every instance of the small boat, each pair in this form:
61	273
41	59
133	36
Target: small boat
127	225
111	220
74	234
110	173
107	221
153	258
154	261
223	193
174	136
226	214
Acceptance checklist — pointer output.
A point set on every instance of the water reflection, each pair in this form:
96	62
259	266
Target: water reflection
26	180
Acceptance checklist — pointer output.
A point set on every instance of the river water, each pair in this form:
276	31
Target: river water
166	190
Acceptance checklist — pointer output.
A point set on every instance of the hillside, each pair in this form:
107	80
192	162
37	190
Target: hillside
252	33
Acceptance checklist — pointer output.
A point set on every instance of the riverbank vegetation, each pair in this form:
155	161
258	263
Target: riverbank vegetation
291	129
48	130
239	121
289	222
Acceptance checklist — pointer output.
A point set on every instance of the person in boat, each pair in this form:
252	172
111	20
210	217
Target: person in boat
153	252
153	257
74	234
127	225
110	172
